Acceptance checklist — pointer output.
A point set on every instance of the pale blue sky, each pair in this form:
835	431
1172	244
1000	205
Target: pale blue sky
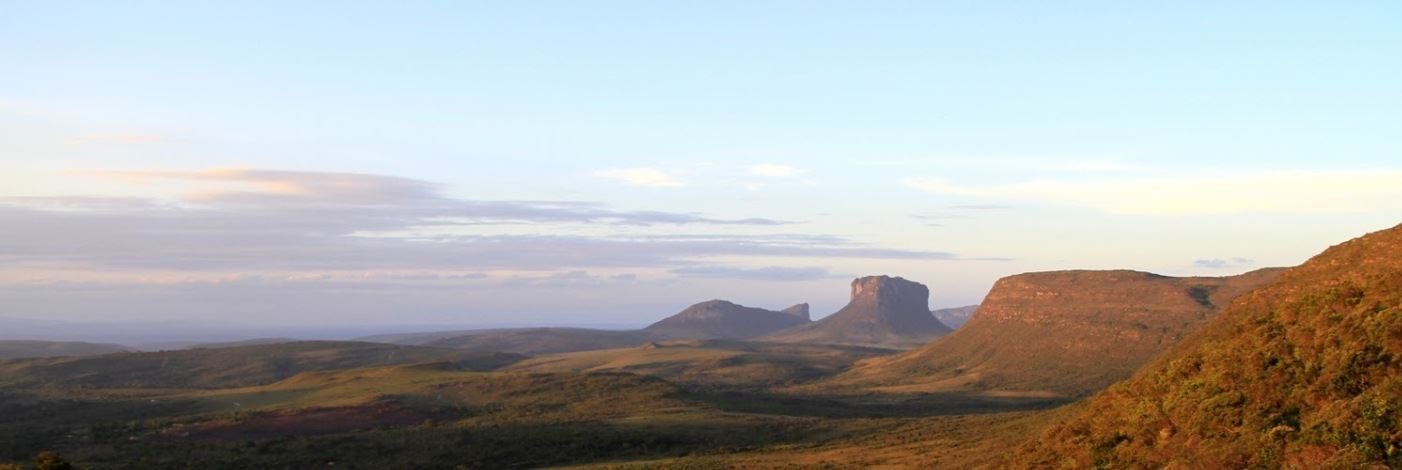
968	140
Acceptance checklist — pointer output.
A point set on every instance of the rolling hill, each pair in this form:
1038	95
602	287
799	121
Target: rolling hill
412	415
713	363
719	319
228	367
712	319
532	341
1303	373
884	311
15	349
1064	333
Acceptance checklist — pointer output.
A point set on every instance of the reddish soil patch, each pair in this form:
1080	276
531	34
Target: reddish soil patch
302	422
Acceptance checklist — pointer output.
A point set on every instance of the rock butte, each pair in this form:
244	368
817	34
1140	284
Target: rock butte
884	311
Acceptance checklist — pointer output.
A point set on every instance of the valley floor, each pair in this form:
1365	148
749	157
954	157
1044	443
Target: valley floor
664	406
954	441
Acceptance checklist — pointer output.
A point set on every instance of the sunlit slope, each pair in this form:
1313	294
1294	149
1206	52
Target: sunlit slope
449	390
1065	333
1303	373
712	362
534	341
970	441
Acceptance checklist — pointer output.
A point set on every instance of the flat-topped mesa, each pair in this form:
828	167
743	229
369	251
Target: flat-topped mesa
798	310
893	298
1062	332
884	311
720	319
1149	300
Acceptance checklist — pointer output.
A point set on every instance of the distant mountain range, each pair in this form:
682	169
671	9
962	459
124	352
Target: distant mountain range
884	312
954	317
712	319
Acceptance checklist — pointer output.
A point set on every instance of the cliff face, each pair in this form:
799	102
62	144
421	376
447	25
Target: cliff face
1063	332
719	319
799	310
1305	372
884	311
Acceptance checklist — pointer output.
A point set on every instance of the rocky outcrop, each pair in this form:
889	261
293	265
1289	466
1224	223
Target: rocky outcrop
884	311
720	319
799	310
1063	332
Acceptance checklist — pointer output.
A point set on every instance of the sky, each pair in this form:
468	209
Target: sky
611	162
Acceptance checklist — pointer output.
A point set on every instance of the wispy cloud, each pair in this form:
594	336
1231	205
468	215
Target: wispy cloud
650	177
346	242
309	221
767	273
203	239
394	202
78	202
1284	191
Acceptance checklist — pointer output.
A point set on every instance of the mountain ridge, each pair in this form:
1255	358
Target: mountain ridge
711	319
954	317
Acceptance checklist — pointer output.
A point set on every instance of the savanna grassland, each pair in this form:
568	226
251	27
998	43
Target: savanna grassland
297	405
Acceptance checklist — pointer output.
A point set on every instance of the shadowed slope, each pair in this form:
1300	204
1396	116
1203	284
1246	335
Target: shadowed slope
229	367
1303	373
1063	333
884	311
719	319
14	349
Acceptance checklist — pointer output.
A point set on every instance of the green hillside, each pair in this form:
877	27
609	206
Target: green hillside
712	363
228	367
16	349
545	340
